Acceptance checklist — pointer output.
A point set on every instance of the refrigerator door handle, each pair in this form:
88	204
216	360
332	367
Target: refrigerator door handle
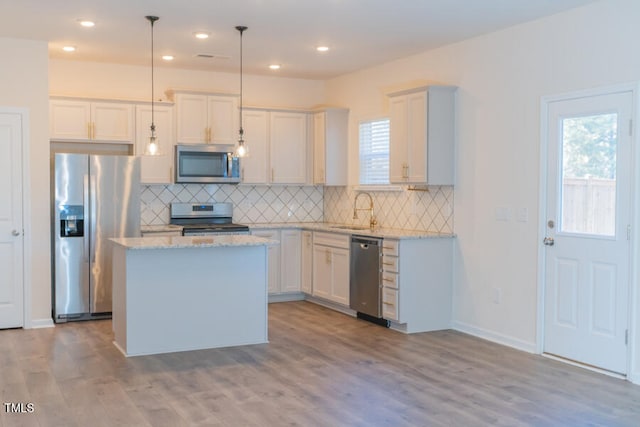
93	212
87	213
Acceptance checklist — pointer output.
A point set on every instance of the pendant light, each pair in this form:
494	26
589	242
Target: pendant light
152	148
242	150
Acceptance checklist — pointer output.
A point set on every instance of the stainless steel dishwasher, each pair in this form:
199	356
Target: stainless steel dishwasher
365	273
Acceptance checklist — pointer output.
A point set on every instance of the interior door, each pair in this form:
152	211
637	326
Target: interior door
587	230
11	236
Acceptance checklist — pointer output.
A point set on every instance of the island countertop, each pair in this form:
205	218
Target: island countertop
179	242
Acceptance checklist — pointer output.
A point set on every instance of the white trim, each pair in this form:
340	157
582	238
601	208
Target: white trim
529	347
42	323
587	367
633	371
286	297
27	252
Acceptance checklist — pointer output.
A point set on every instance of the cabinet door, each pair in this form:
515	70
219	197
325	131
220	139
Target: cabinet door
288	140
69	120
290	257
319	137
191	118
398	148
256	135
273	259
322	271
307	262
340	276
112	122
223	118
155	169
417	137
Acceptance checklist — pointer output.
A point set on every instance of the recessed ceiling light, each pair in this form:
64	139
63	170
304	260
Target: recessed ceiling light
69	48
201	35
168	57
86	23
322	48
274	66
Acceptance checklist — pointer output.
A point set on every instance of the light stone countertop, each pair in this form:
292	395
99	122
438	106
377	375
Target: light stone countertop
179	242
388	233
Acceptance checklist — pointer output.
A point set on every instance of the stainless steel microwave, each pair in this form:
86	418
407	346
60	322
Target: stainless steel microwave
206	164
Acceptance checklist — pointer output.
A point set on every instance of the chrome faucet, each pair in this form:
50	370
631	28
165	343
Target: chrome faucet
372	218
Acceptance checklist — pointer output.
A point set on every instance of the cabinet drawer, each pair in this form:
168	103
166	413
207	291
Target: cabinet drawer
390	303
331	239
390	263
390	280
390	247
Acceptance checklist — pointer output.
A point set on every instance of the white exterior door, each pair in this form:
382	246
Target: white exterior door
587	252
11	236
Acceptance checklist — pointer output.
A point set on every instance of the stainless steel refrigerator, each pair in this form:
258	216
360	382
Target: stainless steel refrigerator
95	198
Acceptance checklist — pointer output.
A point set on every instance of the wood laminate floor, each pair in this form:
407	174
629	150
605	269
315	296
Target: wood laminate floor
321	368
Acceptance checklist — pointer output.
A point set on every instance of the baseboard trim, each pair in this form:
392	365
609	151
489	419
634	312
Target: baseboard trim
41	323
529	347
291	296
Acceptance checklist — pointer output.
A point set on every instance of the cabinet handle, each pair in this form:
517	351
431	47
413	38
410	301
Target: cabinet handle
89	130
272	175
387	280
328	256
388	247
387	263
387	303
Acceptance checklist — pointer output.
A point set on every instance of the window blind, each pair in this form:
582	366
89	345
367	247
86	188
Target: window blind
374	152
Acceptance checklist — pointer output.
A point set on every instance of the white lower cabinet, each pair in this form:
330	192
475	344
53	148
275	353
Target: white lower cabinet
290	256
331	267
306	280
417	283
283	260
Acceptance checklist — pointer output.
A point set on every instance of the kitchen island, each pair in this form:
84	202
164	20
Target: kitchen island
188	293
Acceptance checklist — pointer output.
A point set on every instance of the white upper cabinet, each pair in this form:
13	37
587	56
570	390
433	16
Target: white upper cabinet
330	148
202	118
155	169
255	167
75	120
288	147
422	132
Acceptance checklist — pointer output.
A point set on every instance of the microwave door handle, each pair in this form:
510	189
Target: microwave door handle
229	165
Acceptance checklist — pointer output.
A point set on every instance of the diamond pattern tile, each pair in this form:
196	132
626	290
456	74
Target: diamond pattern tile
411	210
251	203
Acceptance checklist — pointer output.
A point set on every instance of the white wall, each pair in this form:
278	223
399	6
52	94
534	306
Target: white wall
103	80
502	77
24	84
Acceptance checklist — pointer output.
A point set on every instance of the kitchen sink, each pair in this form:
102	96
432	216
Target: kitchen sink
349	227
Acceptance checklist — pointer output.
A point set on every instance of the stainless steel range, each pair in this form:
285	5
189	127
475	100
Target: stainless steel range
205	219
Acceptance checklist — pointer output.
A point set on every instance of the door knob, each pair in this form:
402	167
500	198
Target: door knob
15	233
548	241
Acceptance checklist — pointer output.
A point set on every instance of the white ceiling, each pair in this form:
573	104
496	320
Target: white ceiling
361	33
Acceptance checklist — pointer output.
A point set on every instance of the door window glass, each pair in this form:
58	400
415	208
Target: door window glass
589	146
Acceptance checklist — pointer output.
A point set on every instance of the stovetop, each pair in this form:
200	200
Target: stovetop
205	217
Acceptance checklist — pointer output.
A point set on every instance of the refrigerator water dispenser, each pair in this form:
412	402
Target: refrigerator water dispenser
71	221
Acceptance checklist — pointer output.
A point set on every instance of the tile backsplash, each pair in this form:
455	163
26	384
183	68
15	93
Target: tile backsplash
411	210
251	204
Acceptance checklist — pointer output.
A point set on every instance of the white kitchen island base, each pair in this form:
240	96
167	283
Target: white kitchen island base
182	297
